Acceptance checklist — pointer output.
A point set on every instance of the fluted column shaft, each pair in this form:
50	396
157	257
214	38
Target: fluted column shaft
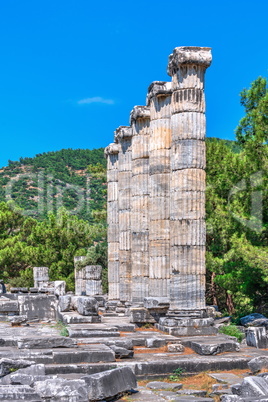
123	136
140	122
187	67
159	101
111	153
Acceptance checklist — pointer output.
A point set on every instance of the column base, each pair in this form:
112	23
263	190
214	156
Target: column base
187	323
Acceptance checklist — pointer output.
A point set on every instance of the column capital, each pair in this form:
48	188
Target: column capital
111	149
189	55
123	133
139	113
158	88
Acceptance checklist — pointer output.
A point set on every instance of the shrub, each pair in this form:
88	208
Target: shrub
232	330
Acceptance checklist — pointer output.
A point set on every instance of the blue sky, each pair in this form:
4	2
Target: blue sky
72	70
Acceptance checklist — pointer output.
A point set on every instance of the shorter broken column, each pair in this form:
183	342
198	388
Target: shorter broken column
87	279
41	277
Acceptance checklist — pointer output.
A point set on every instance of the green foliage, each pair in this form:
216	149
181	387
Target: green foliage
62	328
253	128
177	373
73	179
237	236
232	330
53	242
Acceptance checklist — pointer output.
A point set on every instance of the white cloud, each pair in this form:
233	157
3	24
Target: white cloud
96	99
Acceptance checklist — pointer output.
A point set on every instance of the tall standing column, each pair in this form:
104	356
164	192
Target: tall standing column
140	122
123	136
187	66
159	101
111	153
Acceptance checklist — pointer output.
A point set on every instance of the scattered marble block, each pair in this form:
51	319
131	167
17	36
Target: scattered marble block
59	288
257	337
46	342
258	363
163	385
155	342
140	315
18	393
176	348
87	305
59	389
108	384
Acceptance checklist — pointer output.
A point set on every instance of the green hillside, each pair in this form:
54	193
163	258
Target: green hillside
70	178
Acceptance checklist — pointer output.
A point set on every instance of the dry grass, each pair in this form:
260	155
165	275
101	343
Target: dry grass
200	381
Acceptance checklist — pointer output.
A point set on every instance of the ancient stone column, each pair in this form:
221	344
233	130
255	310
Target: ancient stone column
159	101
87	278
41	277
111	153
187	66
123	136
140	123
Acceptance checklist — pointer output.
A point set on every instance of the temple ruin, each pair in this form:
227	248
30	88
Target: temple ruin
156	193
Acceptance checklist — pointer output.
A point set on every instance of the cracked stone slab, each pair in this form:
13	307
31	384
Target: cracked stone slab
228	378
163	385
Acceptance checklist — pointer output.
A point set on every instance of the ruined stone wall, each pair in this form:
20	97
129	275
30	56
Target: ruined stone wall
156	201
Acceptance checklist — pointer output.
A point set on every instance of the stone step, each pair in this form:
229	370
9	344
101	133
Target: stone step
187	331
45	342
72	317
155	367
212	345
92	354
18	393
93	333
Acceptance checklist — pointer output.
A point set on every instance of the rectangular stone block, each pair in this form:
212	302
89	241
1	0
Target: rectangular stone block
257	337
40	275
99	385
41	307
